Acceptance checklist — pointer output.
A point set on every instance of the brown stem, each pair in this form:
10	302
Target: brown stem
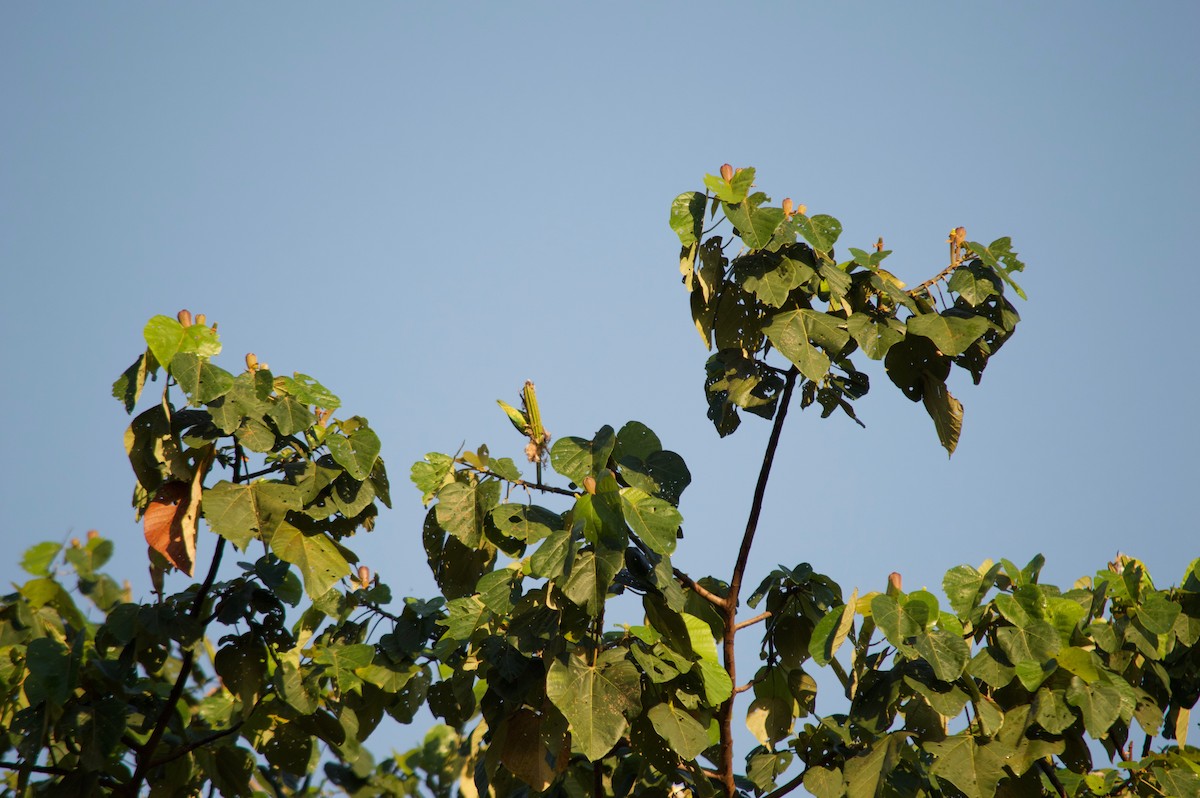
699	589
762	616
786	788
146	755
725	713
942	275
192	746
1048	769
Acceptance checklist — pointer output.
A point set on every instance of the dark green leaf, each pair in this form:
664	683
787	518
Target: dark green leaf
875	337
790	332
952	334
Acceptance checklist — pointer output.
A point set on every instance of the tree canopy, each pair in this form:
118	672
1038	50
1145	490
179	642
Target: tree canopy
268	677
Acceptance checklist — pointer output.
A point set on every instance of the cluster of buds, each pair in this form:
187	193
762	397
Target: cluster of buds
185	318
252	363
790	210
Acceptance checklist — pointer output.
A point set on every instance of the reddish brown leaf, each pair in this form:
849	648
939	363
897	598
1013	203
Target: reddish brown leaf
164	525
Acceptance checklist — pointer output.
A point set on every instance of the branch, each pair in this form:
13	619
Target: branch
725	713
699	589
762	616
192	746
937	278
51	771
760	489
519	482
185	663
1048	769
785	789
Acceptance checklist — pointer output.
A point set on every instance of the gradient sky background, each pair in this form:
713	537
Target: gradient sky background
423	205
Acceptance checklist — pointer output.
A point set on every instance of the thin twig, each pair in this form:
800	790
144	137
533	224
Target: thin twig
762	616
519	482
36	768
743	688
192	746
942	275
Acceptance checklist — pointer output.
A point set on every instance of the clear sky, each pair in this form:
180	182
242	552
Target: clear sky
423	205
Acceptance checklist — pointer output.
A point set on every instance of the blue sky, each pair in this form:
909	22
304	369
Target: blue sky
425	205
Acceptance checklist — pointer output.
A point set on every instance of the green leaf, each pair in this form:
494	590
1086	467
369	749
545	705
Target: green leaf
875	337
164	336
355	452
944	409
789	332
825	782
655	521
821	231
595	698
290	415
755	224
320	561
341	662
592	574
431	474
527	523
576	458
772	714
952	334
831	631
128	387
1037	641
460	513
308	391
50	672
687	216
553	556
37	559
241	513
496	590
1158	613
897	625
975	283
1099	703
200	380
682	732
975	769
242	666
771	282
866	772
945	699
733	191
946	652
1081	662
